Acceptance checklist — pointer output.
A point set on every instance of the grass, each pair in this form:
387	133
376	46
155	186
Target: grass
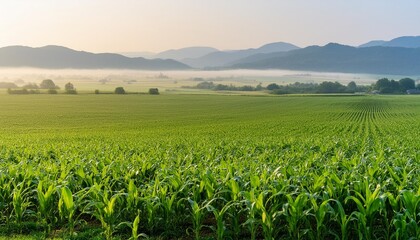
210	166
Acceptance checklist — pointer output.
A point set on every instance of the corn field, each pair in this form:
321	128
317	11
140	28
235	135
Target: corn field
211	167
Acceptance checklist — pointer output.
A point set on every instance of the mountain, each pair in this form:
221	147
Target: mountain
57	57
189	52
407	42
148	55
340	58
258	57
223	58
374	43
275	47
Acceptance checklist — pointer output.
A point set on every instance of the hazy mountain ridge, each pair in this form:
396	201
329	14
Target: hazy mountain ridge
175	54
340	58
147	55
384	59
374	43
405	41
57	57
223	58
188	52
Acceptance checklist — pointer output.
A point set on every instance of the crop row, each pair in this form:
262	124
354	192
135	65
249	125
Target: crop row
346	171
290	191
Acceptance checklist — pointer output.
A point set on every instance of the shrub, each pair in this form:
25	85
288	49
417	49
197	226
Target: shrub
48	84
153	91
69	87
18	91
96	91
52	91
71	91
22	91
119	90
32	91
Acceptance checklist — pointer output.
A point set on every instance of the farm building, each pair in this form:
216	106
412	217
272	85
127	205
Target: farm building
413	91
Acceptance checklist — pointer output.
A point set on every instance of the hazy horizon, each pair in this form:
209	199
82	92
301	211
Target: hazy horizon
137	26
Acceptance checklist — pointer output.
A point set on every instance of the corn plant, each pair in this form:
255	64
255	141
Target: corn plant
152	207
105	211
67	208
342	219
134	230
20	202
6	199
294	212
267	216
367	205
407	223
320	212
219	215
197	215
169	206
252	221
45	201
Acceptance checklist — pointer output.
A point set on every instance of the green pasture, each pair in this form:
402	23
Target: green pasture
202	166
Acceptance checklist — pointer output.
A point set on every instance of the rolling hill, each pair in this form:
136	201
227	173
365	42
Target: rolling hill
223	58
340	58
188	52
57	57
407	42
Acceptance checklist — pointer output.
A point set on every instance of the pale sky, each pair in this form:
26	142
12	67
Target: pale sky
157	25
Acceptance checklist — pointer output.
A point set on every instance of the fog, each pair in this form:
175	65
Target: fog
107	79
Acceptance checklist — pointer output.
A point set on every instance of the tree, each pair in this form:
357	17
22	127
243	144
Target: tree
31	86
205	85
331	87
352	87
153	91
246	88
406	84
272	86
69	87
48	84
119	90
395	86
221	87
383	85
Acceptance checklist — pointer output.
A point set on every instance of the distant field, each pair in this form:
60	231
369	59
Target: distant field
210	166
141	81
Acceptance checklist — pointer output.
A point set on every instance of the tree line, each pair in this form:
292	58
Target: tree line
52	88
383	85
223	87
297	87
324	87
47	84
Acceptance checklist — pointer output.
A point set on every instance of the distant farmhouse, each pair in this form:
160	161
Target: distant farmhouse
413	91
